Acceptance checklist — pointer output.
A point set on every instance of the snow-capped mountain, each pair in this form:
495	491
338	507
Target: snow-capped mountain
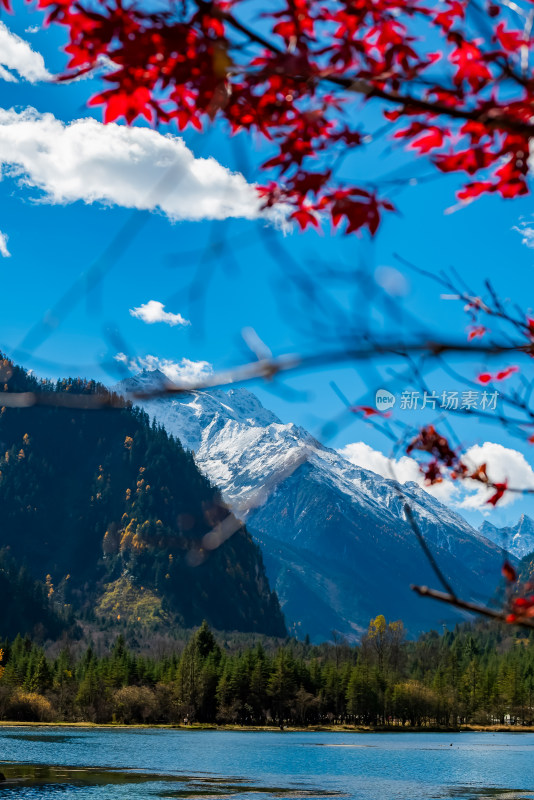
334	536
517	539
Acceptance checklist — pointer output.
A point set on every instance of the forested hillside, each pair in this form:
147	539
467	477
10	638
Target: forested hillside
481	674
109	511
26	606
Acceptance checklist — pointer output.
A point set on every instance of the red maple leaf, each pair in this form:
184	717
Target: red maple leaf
125	104
428	141
432	473
487	377
475	189
368	411
509	40
476	331
500	489
505	373
304	217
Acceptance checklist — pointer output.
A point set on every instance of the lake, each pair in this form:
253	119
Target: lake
138	764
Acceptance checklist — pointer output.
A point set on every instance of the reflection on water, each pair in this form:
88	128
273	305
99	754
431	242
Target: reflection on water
489	793
47	738
41	780
147	764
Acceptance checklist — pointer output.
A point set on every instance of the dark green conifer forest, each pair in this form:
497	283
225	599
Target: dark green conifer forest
477	674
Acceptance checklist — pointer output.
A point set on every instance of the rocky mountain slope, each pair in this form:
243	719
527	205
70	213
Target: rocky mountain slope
334	537
518	539
111	512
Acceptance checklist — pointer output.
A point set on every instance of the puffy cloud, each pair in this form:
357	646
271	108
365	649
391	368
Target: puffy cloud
6	75
185	372
502	463
402	469
117	165
154	311
17	55
3	245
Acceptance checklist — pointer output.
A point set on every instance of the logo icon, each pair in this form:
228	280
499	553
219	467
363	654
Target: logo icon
384	400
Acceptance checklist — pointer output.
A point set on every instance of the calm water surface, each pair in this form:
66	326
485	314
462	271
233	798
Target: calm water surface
213	765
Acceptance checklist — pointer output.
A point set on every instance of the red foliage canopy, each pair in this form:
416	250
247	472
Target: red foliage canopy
457	89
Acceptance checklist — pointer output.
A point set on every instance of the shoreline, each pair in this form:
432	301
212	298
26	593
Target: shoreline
271	728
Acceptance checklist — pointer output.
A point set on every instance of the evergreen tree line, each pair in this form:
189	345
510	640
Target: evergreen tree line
477	674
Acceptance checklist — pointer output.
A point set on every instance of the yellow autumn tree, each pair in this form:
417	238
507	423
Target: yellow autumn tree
382	642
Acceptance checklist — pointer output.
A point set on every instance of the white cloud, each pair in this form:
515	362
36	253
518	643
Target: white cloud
402	469
6	75
526	229
18	56
184	372
3	245
154	311
502	464
117	165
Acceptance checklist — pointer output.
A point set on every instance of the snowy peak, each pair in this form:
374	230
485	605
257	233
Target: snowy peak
248	452
518	539
245	407
144	381
334	535
199	416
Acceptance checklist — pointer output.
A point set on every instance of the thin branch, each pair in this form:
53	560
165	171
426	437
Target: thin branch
268	368
426	550
465	605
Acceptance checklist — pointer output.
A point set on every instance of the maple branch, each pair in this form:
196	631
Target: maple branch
369	89
465	605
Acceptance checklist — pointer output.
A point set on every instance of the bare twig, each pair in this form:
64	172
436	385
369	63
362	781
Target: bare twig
465	605
426	550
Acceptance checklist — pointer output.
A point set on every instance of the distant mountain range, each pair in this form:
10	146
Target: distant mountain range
518	539
334	536
109	513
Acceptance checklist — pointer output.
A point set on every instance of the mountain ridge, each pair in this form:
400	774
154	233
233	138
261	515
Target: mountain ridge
518	539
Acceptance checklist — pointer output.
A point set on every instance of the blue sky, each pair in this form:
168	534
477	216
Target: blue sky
225	275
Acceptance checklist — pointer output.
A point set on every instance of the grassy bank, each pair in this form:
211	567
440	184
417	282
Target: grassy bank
276	729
